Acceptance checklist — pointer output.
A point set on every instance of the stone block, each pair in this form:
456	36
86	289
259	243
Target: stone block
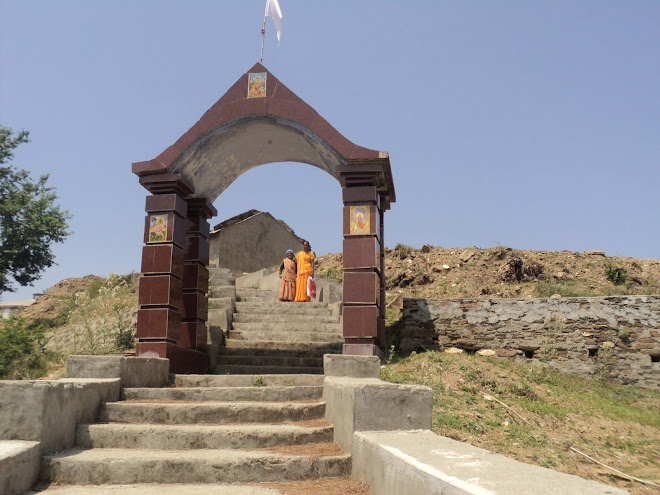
132	371
19	466
47	411
365	404
351	366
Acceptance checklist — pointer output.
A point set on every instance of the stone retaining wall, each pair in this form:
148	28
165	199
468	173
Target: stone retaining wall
614	337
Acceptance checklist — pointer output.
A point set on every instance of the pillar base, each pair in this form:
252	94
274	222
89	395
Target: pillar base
182	360
361	350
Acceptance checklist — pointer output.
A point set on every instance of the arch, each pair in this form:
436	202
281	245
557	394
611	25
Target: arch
220	156
257	121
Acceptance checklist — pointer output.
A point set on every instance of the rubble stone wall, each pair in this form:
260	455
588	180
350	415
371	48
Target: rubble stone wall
614	337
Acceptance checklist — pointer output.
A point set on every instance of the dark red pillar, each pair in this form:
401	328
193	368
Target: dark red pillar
364	323
160	297
196	275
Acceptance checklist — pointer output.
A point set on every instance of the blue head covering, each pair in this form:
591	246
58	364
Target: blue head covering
288	251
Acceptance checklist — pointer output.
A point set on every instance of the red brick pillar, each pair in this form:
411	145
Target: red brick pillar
382	338
160	293
364	326
196	275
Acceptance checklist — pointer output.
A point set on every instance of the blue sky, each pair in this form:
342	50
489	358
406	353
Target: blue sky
534	125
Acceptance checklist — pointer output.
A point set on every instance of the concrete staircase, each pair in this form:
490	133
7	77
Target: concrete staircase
206	429
268	336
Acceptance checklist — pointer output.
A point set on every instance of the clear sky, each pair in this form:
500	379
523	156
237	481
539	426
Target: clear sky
534	125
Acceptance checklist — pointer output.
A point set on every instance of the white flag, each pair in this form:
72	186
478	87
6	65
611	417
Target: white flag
275	13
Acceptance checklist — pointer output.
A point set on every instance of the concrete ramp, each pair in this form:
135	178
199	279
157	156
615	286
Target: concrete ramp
423	463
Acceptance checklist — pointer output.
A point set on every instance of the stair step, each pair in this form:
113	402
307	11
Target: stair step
284	336
264	347
183	437
278	307
220	276
126	466
271	360
283	318
221	303
291	311
256	393
156	489
292	326
251	291
208	412
219	271
216	291
247	380
221	369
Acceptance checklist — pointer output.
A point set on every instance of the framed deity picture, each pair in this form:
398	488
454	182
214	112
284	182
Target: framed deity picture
257	84
158	228
360	220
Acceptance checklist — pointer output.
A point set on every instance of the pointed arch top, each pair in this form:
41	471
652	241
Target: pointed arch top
239	133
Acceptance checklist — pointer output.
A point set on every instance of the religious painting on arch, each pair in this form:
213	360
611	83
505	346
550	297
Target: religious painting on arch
257	84
360	218
158	228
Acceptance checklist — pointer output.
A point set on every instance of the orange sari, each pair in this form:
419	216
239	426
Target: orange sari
287	290
305	268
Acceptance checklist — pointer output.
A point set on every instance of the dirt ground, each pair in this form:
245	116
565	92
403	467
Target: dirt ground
325	486
437	272
57	298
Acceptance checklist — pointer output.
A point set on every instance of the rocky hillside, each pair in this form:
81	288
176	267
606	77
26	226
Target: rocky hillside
437	272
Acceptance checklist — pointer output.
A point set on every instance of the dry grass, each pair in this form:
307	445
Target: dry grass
618	425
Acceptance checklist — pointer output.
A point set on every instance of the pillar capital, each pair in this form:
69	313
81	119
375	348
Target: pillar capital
167	183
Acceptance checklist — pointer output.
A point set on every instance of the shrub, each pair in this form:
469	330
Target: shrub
22	349
616	274
101	318
402	251
334	273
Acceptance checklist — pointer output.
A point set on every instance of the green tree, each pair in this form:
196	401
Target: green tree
30	221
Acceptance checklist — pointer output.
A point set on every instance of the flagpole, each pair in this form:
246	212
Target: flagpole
263	36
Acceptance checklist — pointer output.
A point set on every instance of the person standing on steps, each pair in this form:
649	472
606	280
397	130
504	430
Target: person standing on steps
305	262
288	268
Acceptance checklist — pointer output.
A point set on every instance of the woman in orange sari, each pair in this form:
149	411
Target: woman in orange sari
305	261
287	290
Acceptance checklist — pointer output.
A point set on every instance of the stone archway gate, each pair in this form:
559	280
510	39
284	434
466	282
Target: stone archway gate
257	121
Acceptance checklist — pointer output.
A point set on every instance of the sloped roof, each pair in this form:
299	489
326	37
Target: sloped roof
240	132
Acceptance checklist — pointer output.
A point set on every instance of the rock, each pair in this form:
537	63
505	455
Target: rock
608	344
555	296
486	352
508	352
595	253
453	350
465	256
426	248
445	267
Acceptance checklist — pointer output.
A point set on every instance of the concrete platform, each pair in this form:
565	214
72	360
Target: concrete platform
423	463
19	465
156	489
